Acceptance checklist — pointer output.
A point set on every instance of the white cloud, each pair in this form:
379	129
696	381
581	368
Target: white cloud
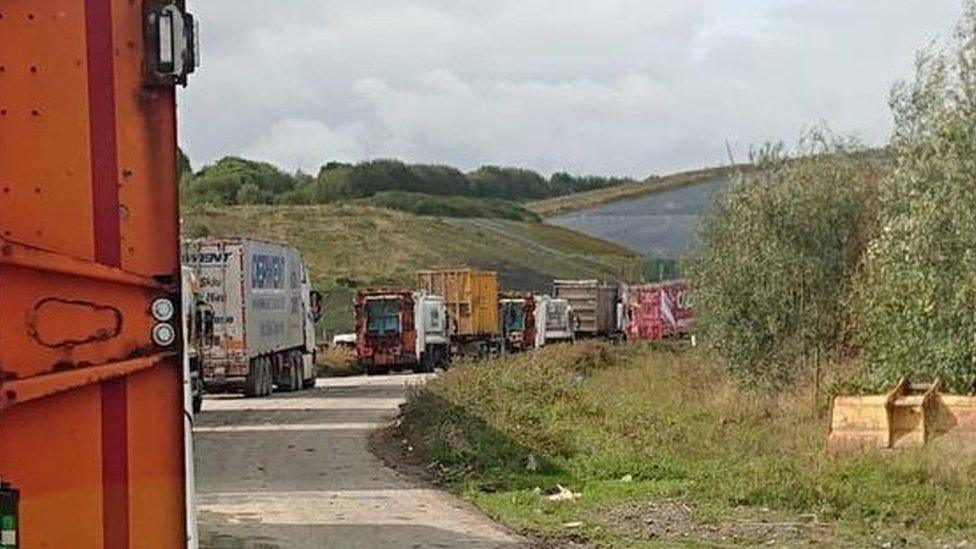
602	86
301	144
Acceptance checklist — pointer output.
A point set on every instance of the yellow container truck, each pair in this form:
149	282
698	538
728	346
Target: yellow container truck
471	297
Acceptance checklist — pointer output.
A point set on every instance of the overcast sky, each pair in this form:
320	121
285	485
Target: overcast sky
615	87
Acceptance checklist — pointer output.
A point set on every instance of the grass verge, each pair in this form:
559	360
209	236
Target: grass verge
336	361
661	447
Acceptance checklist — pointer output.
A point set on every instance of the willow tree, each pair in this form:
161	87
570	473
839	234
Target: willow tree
780	251
920	289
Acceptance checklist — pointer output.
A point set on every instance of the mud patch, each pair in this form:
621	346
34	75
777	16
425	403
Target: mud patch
392	446
678	521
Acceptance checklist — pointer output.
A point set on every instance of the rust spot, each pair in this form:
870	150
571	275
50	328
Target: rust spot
11	395
61	323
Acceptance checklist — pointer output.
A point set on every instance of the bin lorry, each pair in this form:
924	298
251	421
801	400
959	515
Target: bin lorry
555	320
656	311
95	396
594	307
471	299
264	314
518	314
400	329
197	330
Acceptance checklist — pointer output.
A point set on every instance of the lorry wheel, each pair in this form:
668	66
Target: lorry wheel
268	378
197	403
296	376
426	365
254	383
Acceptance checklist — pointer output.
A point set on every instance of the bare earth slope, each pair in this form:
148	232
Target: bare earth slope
581	201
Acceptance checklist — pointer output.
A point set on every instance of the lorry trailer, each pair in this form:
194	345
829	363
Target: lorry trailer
95	399
264	315
594	306
471	298
401	329
656	311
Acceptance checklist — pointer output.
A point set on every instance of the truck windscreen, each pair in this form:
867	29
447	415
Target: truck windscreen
383	316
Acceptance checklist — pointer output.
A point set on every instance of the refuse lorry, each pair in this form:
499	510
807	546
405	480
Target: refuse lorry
471	298
401	329
517	313
264	315
95	398
197	331
555	320
658	311
594	306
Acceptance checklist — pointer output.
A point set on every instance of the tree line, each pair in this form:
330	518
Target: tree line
833	257
237	181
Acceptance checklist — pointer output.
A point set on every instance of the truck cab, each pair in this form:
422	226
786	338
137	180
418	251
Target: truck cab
558	319
517	315
401	329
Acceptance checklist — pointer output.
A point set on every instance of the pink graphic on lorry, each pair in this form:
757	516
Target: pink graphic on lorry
657	311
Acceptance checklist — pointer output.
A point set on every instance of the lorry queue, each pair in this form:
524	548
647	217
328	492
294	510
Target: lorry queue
252	316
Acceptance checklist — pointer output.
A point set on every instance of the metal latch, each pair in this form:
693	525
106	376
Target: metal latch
171	42
9	520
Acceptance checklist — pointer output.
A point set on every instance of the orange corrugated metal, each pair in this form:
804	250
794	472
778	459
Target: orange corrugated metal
471	297
91	410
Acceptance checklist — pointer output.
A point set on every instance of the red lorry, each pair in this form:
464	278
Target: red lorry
401	329
656	311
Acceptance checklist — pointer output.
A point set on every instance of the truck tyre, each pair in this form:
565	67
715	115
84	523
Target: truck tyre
254	383
268	377
426	365
197	403
296	373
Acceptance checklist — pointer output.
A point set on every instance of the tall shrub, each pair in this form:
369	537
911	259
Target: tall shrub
780	249
920	285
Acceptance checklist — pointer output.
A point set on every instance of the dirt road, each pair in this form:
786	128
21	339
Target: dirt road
294	470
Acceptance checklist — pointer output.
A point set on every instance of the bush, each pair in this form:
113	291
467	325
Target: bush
236	181
920	288
780	250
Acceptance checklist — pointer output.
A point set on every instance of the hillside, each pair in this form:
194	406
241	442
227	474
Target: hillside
350	245
583	200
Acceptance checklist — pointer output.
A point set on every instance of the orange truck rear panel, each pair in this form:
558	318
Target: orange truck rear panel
91	410
471	297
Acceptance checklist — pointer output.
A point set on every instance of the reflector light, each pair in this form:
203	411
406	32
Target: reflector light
163	334
163	310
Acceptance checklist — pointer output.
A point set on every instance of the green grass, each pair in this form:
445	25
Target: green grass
348	246
628	428
451	206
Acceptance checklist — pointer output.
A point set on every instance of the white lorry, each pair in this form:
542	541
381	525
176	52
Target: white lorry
264	315
556	318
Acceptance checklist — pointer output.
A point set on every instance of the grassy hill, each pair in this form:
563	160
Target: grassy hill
348	246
